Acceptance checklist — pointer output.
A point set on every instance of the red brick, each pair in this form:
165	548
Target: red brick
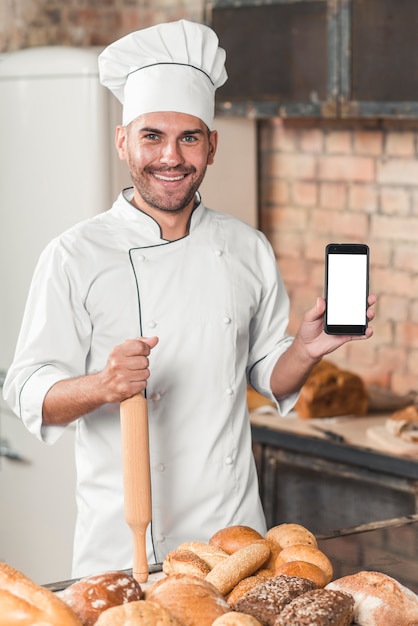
393	358
405	257
398	172
362	198
304	193
395	200
392	307
388	280
407	335
394	228
289	218
412	361
275	191
292	166
400	144
368	142
404	382
311	140
338	142
333	195
346	168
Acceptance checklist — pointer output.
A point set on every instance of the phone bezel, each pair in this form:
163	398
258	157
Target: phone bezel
345	248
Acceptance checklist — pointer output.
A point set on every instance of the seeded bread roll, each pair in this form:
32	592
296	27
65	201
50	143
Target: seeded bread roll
185	562
246	584
236	619
191	600
210	554
379	599
285	535
25	603
304	570
139	613
320	607
237	566
91	595
233	538
309	554
268	599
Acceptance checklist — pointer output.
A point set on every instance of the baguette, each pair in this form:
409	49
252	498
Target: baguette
237	566
25	603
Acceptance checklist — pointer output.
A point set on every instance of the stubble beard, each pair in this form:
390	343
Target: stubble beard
168	203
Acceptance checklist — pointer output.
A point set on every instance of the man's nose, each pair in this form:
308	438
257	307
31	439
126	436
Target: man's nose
171	154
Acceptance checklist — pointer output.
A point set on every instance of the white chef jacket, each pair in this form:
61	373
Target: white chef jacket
217	303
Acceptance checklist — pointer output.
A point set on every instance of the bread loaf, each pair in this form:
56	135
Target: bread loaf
191	600
91	595
303	569
268	599
246	584
139	613
319	607
331	391
379	599
404	424
185	562
309	554
24	603
237	566
285	535
208	553
233	538
236	619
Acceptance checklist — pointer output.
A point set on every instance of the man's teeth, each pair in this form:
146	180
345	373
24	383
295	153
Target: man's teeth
169	178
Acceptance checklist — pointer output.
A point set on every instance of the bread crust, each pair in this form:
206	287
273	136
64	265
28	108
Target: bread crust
185	562
208	553
246	584
20	593
379	599
319	607
239	565
303	569
191	600
285	535
137	612
236	619
232	538
300	552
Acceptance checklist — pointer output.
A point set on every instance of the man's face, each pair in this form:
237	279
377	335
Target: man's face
167	155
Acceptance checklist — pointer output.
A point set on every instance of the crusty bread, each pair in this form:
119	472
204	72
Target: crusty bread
236	619
285	535
25	603
331	391
404	424
91	595
310	554
246	584
379	600
268	599
185	562
208	553
232	538
191	600
303	569
238	565
140	613
319	607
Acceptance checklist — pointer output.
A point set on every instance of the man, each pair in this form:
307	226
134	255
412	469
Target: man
163	294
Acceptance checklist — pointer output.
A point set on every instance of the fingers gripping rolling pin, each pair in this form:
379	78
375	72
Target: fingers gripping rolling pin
136	478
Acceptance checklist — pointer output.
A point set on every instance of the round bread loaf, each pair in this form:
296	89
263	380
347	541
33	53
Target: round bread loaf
267	600
285	535
210	554
141	613
191	600
24	602
319	607
246	584
238	565
185	562
300	552
303	569
91	595
236	619
233	538
379	599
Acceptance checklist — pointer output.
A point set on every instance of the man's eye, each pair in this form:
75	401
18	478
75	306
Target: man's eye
189	139
151	136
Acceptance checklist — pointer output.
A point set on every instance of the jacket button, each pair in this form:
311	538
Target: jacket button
152	324
160	538
229	391
227	320
228	460
156	396
160	467
218	252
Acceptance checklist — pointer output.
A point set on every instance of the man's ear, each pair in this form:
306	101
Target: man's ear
213	144
120	142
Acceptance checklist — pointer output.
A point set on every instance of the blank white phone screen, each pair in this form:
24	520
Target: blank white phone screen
347	289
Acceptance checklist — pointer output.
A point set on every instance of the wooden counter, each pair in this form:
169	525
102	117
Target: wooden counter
327	481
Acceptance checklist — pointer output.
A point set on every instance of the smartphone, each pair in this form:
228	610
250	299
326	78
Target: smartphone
346	288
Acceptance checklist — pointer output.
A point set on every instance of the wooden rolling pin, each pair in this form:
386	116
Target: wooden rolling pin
136	478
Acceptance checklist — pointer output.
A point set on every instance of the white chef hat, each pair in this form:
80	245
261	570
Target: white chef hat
176	66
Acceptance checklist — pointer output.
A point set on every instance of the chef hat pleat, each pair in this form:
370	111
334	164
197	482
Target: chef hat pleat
175	66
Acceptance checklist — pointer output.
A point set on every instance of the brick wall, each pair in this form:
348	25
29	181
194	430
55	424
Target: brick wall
319	182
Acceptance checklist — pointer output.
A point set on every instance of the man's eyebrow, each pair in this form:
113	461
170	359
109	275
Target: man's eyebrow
158	131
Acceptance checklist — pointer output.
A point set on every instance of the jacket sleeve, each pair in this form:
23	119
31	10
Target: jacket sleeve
53	342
